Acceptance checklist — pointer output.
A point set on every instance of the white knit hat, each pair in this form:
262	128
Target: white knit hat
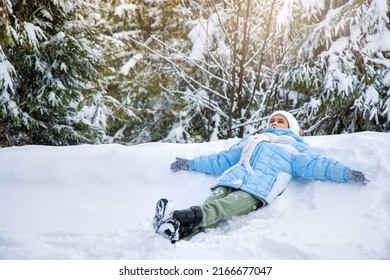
292	121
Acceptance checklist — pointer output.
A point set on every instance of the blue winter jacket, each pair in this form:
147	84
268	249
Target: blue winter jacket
274	166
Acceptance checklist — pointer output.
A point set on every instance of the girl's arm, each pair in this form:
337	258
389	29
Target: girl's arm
319	168
217	163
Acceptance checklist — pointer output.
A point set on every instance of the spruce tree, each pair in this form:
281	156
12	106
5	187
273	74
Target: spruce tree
137	76
340	64
53	64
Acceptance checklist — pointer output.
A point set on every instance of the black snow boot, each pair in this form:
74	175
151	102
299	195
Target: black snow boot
175	224
163	222
188	219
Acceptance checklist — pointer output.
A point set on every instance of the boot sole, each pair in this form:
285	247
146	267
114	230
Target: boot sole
169	229
164	210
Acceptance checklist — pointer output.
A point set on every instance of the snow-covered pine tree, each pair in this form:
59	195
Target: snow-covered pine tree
340	63
137	76
52	61
9	110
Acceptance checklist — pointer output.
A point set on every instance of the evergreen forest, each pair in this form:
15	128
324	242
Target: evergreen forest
185	71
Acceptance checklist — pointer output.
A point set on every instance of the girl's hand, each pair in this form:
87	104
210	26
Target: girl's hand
358	176
180	164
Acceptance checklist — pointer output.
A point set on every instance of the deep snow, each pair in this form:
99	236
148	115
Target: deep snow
97	202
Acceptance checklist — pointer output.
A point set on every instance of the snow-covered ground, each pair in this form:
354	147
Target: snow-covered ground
97	202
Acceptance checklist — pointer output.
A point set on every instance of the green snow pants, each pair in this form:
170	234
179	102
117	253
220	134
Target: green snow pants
227	202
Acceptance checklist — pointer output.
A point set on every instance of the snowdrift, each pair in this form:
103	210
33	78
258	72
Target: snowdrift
97	202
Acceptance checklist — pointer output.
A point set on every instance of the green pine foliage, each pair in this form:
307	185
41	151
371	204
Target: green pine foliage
341	67
134	71
55	71
137	75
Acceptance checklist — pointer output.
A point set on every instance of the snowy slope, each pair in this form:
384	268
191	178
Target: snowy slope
97	202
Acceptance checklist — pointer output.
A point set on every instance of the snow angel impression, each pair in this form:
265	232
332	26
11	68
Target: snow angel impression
253	173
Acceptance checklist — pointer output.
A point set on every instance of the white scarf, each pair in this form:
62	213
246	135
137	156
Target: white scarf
250	146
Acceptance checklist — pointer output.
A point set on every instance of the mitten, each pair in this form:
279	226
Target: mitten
358	176
180	164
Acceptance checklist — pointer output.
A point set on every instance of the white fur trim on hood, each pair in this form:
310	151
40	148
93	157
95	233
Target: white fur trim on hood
292	121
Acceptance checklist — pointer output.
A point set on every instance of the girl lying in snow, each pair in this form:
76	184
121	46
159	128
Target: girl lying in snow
253	173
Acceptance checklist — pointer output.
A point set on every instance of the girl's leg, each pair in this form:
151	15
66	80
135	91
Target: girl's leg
235	203
223	203
218	193
189	219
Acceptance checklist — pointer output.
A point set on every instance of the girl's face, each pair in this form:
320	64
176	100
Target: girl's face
278	121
